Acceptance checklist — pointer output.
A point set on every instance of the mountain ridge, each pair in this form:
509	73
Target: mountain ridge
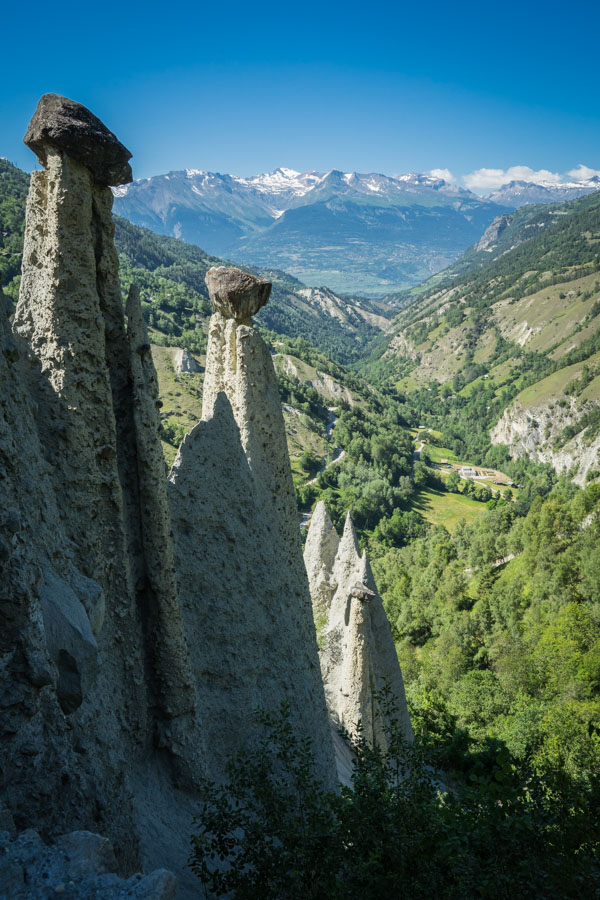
359	233
521	193
170	274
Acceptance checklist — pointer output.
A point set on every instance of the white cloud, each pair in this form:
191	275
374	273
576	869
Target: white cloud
583	173
446	174
484	180
489	179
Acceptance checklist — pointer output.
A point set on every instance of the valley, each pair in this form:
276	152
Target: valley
365	234
300	452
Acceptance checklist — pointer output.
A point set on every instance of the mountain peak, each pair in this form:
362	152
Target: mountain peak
287	173
523	193
286	219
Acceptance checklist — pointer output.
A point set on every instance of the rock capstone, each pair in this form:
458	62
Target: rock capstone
236	294
72	129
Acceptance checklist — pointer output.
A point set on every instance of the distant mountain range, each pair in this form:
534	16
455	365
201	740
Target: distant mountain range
171	277
355	233
524	193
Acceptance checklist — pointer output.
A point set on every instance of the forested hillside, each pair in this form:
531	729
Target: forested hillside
497	628
14	185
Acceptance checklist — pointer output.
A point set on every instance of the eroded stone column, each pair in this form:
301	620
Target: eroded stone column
98	425
245	598
357	652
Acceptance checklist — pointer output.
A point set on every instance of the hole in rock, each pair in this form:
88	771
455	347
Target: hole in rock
69	691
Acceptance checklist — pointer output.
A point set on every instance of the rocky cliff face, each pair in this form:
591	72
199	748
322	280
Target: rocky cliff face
493	232
130	662
533	431
357	652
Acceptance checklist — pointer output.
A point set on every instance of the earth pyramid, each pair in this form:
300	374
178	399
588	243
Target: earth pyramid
141	620
358	655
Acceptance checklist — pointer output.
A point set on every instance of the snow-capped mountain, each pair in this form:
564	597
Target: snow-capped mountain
523	193
355	232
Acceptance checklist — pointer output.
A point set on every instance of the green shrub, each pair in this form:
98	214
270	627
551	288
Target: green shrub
274	832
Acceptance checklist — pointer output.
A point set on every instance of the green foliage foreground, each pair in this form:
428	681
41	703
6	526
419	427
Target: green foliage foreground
274	832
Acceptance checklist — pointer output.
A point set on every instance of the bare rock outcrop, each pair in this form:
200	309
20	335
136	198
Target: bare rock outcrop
357	652
185	364
533	431
492	233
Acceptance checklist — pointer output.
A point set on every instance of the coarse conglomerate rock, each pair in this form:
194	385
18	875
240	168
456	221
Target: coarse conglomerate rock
236	294
231	493
357	651
75	866
130	663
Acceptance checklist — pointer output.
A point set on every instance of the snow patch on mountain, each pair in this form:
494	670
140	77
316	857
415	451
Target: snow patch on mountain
523	193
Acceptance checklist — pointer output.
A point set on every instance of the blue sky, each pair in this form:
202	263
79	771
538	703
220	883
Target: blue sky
245	88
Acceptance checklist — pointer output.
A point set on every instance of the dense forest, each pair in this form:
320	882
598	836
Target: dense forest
14	185
498	631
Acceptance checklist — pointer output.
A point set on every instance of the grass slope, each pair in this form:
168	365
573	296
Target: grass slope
440	508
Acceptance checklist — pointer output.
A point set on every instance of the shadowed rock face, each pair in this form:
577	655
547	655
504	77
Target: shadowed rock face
236	294
73	129
93	656
79	864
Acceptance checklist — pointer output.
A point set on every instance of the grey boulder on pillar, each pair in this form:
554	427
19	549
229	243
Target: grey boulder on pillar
73	129
236	294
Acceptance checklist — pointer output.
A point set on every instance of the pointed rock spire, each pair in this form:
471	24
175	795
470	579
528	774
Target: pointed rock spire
346	566
357	651
320	550
172	669
366	572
